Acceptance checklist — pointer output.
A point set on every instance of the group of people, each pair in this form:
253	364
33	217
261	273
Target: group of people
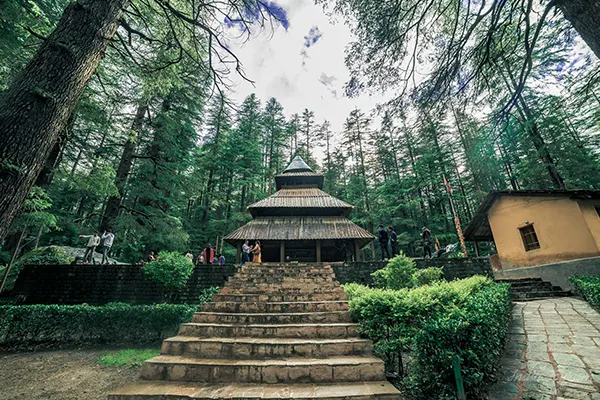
385	236
207	256
96	240
390	236
254	250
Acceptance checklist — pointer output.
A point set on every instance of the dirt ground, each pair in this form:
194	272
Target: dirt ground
60	375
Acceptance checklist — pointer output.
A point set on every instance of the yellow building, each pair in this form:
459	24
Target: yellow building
533	228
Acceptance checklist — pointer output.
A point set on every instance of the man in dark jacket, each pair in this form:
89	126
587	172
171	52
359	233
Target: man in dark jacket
393	241
383	243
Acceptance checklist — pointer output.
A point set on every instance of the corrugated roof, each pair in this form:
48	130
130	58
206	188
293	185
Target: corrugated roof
301	198
301	173
299	228
298	165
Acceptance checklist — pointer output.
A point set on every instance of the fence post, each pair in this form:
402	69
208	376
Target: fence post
460	389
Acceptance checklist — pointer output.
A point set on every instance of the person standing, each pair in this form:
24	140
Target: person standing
151	257
393	241
93	241
256	254
221	259
383	243
190	256
426	235
107	241
209	254
199	260
245	253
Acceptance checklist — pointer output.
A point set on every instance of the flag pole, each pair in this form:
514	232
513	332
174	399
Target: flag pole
459	231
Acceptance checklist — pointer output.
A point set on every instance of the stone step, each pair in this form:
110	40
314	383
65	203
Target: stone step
290	273
160	390
522	285
252	298
244	348
275	307
293	283
540	295
285	370
281	290
519	280
273	318
296	282
269	330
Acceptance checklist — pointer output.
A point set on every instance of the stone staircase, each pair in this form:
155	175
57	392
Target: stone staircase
526	289
274	331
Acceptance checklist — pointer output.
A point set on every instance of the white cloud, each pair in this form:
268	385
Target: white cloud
314	80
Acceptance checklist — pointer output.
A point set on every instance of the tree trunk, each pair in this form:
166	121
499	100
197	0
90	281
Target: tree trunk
12	260
45	177
583	15
114	202
37	106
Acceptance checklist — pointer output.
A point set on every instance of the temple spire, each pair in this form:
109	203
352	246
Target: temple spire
298	165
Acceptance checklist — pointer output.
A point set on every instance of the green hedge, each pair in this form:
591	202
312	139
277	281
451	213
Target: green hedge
431	323
587	287
36	326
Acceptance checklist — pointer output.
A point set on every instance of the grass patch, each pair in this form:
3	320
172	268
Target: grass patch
129	358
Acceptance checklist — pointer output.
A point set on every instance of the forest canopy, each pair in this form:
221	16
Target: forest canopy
493	96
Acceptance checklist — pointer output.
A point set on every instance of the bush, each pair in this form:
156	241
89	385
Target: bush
587	287
397	274
50	255
171	270
466	317
428	275
34	326
207	294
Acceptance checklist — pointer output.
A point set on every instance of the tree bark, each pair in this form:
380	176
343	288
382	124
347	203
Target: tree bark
583	15
38	104
113	204
45	177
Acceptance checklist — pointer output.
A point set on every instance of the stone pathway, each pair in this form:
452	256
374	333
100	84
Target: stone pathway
553	352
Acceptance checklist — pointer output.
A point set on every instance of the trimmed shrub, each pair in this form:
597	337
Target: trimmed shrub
467	317
35	326
587	287
397	274
428	275
50	255
171	270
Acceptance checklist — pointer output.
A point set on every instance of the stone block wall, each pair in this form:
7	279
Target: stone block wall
101	284
454	268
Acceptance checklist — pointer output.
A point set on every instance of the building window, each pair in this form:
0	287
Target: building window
530	239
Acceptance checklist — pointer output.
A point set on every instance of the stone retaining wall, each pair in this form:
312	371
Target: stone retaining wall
96	284
101	284
454	268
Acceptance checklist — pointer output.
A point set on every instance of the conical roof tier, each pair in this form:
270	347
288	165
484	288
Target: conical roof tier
298	165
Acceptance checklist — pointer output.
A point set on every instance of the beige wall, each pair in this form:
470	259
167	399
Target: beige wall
561	226
588	210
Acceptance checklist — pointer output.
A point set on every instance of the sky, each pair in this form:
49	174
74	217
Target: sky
302	67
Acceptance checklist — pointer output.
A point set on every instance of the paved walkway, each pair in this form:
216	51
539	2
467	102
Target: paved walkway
553	352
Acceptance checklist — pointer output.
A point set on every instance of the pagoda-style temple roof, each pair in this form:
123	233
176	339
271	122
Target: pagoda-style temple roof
300	221
301	228
300	199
